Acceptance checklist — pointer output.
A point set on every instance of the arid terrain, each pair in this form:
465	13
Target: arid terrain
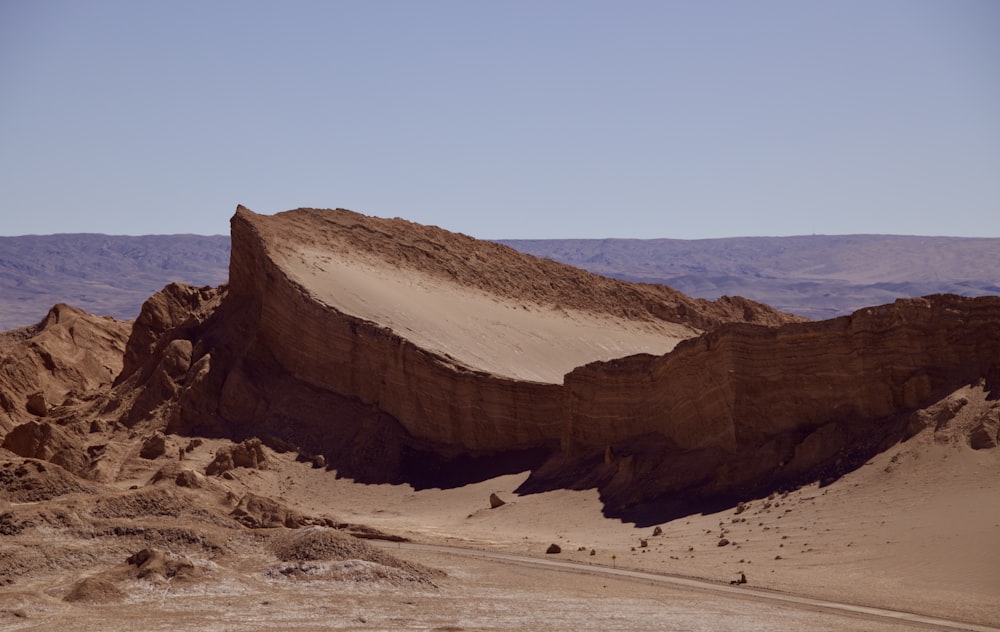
382	425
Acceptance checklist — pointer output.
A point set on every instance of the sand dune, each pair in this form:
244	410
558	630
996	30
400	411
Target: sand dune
521	340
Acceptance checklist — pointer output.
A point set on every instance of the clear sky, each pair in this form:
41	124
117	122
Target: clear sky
504	119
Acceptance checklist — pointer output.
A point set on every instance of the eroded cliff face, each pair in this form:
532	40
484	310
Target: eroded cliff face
743	408
278	360
666	402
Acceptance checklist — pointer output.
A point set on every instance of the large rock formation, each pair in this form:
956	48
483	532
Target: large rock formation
400	352
395	348
744	408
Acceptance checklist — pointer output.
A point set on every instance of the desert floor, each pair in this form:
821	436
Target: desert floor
915	530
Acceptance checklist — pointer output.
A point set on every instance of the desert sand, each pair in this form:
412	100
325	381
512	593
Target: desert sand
522	340
884	536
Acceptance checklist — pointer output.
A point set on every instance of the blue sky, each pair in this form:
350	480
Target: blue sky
504	119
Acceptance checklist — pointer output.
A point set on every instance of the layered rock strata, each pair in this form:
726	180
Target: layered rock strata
743	408
397	352
286	355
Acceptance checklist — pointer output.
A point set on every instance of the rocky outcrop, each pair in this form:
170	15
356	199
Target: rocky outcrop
276	361
67	357
743	408
249	454
258	512
49	442
752	399
760	400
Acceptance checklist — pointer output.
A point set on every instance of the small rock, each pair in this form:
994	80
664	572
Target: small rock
593	552
187	478
553	548
495	501
657	531
723	541
741	507
192	444
986	433
153	447
37	405
643	543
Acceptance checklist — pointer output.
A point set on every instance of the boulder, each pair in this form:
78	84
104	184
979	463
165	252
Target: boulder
154	446
259	512
986	433
156	565
249	453
37	405
49	442
495	501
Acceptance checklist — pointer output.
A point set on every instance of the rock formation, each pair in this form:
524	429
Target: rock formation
745	407
296	351
54	363
397	352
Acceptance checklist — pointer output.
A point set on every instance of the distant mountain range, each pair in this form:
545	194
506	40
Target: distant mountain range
813	276
103	274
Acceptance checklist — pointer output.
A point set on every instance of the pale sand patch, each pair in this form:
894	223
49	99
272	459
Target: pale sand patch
515	339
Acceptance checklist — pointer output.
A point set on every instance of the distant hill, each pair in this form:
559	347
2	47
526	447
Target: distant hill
104	274
813	276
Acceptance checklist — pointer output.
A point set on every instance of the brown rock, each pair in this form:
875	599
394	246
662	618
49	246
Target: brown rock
495	501
36	404
259	512
49	442
553	549
154	446
986	433
156	565
249	453
69	355
176	306
743	407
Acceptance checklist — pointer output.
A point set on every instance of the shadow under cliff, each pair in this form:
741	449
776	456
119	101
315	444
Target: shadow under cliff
648	481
